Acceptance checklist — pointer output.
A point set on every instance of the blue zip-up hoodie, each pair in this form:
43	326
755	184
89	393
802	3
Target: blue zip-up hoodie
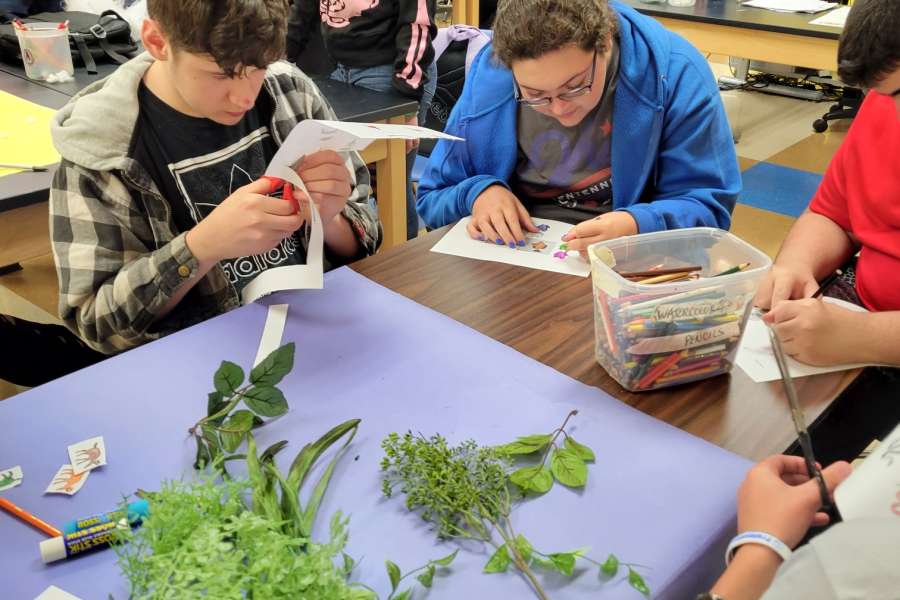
673	159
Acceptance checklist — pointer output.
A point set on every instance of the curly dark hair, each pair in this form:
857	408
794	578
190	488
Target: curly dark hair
870	44
235	33
526	29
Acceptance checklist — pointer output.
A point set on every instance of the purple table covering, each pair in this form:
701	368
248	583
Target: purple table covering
656	496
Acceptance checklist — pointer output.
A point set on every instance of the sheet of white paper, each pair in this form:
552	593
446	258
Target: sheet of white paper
835	18
10	478
796	6
873	489
88	455
313	135
66	481
756	358
541	250
55	593
294	277
272	331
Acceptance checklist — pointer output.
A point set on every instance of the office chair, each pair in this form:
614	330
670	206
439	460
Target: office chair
845	108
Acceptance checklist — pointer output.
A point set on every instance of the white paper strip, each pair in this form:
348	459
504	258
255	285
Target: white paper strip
293	277
272	331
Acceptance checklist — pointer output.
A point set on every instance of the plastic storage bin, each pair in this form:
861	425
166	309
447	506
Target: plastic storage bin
45	51
649	336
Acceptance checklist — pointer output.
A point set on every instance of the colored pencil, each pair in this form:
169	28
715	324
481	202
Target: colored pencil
665	278
655	272
23	167
657	371
736	269
827	283
29	518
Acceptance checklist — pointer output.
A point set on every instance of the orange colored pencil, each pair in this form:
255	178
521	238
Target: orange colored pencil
29	518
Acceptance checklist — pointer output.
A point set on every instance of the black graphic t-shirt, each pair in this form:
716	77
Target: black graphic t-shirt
197	163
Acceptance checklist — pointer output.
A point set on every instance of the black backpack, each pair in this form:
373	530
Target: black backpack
451	69
92	37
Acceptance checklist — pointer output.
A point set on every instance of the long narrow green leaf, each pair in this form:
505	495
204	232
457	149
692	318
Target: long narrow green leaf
265	502
293	515
311	452
269	453
315	499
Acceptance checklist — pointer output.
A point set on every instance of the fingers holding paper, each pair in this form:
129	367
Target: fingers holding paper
499	217
605	227
785	282
328	181
817	332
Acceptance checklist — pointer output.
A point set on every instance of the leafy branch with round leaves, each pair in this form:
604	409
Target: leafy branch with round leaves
464	491
567	463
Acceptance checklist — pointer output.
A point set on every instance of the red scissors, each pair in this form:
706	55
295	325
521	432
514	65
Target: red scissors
277	183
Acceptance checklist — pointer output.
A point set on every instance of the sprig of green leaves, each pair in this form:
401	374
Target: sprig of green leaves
224	429
567	463
425	575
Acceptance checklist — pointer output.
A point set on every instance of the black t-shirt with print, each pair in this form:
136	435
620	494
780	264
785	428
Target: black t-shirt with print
197	163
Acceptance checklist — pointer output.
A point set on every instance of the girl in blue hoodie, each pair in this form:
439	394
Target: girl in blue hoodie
587	112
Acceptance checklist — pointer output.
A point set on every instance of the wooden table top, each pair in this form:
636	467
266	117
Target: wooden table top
549	317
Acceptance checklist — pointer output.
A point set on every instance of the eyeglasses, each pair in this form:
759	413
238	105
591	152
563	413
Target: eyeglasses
570	95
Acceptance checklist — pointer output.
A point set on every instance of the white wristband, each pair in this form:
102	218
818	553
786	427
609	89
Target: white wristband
757	537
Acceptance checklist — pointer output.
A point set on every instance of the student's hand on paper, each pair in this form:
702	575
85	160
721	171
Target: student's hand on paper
412	144
247	222
605	227
498	216
778	497
817	332
328	181
785	282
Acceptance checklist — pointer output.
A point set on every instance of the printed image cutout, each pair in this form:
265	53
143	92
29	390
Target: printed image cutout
10	478
87	455
67	481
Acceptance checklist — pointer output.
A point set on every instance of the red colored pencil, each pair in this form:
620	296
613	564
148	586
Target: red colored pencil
648	379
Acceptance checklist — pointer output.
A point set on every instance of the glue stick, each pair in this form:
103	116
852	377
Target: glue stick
90	533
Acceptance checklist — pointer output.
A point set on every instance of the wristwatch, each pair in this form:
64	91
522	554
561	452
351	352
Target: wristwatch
709	596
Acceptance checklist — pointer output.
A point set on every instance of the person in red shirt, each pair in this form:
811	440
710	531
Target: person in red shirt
856	209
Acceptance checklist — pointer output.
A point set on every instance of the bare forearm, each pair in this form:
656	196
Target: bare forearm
749	575
879	339
817	243
339	237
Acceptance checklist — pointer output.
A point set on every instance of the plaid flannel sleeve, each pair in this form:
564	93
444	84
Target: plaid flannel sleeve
112	285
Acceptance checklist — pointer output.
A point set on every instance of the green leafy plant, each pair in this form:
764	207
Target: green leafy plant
567	463
464	491
200	540
224	429
204	538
